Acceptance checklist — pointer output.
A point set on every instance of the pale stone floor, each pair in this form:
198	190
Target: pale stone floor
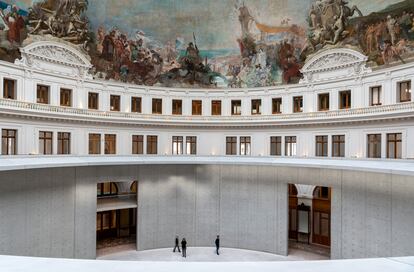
202	254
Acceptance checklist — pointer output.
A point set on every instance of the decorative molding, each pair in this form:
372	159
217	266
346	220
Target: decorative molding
55	57
333	63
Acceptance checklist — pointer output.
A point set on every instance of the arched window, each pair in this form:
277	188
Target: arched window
133	188
293	191
107	189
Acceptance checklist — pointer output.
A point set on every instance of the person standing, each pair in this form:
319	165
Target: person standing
177	244
217	244
184	247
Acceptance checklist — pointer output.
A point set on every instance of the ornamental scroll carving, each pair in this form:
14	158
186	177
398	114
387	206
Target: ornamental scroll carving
334	63
55	57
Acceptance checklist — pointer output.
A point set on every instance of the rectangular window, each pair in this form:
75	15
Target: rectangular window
245	146
152	145
375	96
338	146
115	103
177	145
136	104
277	105
345	100
137	144
9	88
256	106
298	104
231	145
63	143
323	102
404	91
197	107
94	144
66	97
177	107
93	101
216	107
42	94
321	146
8	142
110	144
45	142
236	107
394	145
156	106
191	145
290	146
275	146
374	145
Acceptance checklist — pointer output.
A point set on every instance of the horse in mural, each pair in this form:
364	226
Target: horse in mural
333	10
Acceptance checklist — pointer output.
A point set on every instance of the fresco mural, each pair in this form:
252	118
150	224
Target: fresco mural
210	44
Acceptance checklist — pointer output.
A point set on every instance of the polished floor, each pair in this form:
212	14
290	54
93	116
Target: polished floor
202	254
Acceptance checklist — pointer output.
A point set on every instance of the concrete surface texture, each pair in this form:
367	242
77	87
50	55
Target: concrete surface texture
52	212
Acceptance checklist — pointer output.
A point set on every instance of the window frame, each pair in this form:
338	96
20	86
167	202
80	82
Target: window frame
156	106
6	91
93	101
323	102
136	104
41	90
236	107
197	107
374	143
338	143
10	142
231	141
372	103
397	143
65	93
297	104
46	142
347	95
177	107
407	91
64	143
275	145
277	105
92	141
216	107
137	144
256	106
152	145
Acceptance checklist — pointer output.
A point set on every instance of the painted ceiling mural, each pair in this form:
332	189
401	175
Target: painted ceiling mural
210	44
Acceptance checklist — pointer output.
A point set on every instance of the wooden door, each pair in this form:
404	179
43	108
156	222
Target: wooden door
293	212
321	216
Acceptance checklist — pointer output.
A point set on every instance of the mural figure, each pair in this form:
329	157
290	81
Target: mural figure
262	50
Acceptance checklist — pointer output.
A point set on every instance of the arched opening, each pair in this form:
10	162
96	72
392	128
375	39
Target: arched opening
321	214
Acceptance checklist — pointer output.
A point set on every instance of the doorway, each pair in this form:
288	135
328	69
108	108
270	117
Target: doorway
309	218
116	216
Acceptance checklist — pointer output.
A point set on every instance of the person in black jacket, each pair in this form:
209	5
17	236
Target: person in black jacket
177	244
184	247
217	244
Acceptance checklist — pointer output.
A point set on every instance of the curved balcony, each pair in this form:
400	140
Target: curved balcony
14	107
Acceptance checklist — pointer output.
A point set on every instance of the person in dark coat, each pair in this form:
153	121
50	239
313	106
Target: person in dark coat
177	244
217	244
184	247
